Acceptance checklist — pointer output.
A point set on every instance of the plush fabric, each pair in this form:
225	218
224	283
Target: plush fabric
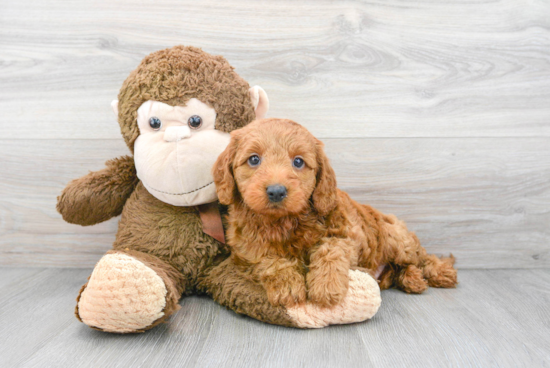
161	251
111	304
100	195
176	75
361	303
233	288
260	101
133	293
174	161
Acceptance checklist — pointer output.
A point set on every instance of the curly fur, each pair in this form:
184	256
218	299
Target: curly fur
303	247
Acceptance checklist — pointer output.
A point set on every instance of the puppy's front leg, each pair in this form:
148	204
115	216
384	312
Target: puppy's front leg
283	281
327	279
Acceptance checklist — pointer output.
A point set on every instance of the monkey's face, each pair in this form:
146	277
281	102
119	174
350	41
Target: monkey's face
176	150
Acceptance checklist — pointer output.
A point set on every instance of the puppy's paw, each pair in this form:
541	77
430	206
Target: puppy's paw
286	293
327	289
411	280
439	272
361	303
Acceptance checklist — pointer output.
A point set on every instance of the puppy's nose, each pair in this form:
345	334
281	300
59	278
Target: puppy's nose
276	193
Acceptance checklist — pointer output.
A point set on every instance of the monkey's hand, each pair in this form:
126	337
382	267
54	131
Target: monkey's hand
100	195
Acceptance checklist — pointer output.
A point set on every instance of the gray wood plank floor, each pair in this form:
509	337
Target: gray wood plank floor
494	318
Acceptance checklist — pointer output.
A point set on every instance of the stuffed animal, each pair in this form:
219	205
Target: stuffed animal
175	113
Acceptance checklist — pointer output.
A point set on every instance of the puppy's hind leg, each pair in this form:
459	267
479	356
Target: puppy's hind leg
439	272
410	280
416	268
406	256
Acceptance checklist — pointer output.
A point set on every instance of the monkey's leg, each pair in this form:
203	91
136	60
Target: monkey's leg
235	290
129	291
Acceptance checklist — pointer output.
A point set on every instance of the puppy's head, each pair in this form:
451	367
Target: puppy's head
277	168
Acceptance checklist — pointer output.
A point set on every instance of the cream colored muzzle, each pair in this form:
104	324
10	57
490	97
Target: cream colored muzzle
176	133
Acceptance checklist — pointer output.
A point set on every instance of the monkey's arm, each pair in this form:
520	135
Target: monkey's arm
100	195
235	289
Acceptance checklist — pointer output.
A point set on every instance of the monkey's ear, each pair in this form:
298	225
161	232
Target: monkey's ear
259	101
222	173
114	105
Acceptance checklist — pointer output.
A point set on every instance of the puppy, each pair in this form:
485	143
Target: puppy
294	232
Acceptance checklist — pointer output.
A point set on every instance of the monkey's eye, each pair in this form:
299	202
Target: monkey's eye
298	162
155	123
194	122
254	161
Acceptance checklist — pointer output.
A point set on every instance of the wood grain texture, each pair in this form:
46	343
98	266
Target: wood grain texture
344	69
435	111
485	200
494	318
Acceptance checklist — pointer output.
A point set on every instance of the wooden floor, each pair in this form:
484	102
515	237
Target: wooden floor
494	318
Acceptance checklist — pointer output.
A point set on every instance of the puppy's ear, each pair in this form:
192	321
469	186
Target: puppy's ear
223	173
324	196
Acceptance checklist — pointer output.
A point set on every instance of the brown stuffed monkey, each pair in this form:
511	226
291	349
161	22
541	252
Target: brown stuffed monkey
175	113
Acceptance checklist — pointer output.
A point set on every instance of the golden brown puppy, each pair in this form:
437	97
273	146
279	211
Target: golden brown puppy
298	235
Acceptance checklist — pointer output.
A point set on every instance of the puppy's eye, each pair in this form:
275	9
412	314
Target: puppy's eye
155	123
254	160
194	122
298	162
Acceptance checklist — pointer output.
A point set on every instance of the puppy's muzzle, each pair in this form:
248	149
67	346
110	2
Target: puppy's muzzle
276	193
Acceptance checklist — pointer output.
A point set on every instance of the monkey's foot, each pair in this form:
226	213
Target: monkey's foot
124	295
361	303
